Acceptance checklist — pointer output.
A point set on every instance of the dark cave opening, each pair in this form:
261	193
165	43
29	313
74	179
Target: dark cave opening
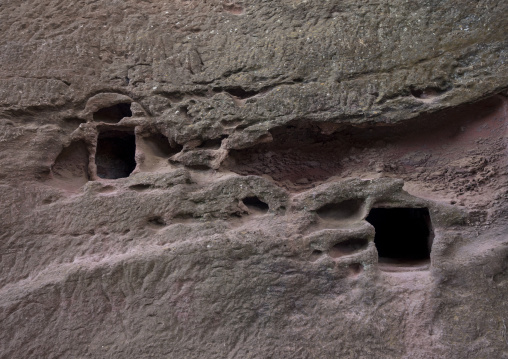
113	114
255	204
403	235
115	154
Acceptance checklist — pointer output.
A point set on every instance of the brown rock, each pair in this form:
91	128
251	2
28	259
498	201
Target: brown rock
283	179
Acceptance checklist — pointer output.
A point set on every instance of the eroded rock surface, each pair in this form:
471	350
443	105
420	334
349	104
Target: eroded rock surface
264	179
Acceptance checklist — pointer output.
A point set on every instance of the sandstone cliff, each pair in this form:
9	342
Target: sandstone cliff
263	179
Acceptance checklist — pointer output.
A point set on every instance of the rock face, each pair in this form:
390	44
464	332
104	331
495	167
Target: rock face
263	179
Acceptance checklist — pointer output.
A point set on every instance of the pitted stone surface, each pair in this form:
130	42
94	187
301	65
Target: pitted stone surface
265	132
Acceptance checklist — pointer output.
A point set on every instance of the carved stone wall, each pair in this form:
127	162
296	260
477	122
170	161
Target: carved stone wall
264	179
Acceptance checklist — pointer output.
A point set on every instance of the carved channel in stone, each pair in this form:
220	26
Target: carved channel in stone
115	154
403	236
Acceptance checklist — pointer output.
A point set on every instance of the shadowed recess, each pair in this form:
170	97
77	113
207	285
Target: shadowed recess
255	204
156	221
348	247
355	269
427	93
305	153
351	208
212	144
71	165
72	123
403	235
140	187
115	154
159	146
113	114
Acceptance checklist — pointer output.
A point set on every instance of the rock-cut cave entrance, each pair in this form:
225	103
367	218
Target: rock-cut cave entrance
115	154
403	235
113	114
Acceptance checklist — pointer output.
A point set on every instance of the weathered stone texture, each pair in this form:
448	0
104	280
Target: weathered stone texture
194	179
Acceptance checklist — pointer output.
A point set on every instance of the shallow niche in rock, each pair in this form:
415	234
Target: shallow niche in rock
427	93
355	269
107	189
255	205
348	210
70	170
156	151
403	236
316	254
115	154
233	8
140	187
72	123
156	222
113	114
348	247
212	144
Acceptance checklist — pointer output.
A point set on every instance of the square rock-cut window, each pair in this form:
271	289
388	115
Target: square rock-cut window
403	235
115	154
